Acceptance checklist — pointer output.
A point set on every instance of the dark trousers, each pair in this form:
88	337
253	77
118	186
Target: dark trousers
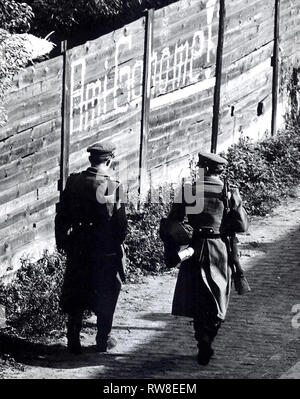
206	329
104	326
206	322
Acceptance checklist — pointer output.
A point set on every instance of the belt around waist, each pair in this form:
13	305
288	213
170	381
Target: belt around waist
210	235
81	225
207	232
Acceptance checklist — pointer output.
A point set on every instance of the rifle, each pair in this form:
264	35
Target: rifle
240	282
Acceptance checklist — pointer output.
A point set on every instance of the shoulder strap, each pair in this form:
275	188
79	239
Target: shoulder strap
225	195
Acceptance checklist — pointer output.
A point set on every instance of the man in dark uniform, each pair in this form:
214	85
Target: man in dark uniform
90	226
204	280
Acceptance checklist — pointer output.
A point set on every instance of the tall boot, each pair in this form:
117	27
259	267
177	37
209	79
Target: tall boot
74	325
205	331
104	341
212	327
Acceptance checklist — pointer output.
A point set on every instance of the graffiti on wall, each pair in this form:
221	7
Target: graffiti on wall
172	67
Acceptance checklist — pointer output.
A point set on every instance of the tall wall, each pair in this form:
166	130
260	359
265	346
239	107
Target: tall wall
30	162
290	56
247	72
105	80
183	81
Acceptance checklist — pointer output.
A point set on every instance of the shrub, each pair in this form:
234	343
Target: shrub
81	20
32	299
17	48
15	17
144	247
266	171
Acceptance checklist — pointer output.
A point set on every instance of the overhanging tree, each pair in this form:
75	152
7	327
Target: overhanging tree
17	47
80	20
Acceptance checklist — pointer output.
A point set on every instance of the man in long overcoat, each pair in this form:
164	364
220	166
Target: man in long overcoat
90	226
204	280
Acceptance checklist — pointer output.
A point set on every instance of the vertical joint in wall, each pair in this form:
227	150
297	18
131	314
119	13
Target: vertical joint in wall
275	64
146	93
65	126
217	92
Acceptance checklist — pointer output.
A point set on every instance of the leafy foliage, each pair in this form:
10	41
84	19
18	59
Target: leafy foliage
265	171
15	17
14	55
144	247
32	299
80	20
17	47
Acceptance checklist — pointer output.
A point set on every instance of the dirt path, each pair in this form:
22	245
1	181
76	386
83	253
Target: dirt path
258	339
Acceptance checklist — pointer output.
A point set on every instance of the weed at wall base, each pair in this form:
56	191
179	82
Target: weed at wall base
32	299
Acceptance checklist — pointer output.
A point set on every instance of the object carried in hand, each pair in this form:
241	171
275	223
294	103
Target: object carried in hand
176	237
240	281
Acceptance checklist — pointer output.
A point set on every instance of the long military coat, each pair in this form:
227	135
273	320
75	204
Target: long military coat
90	227
204	281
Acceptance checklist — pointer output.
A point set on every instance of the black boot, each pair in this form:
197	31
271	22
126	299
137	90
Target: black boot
205	352
74	345
73	334
104	341
205	332
104	344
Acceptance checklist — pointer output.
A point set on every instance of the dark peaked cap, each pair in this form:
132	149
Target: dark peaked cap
102	150
211	159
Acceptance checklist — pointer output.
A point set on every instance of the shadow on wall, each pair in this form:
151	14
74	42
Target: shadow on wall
256	341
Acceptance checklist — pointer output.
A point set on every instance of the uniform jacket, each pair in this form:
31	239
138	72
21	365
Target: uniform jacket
90	226
208	269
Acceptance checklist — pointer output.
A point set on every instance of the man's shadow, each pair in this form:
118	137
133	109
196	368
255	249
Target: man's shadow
41	354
